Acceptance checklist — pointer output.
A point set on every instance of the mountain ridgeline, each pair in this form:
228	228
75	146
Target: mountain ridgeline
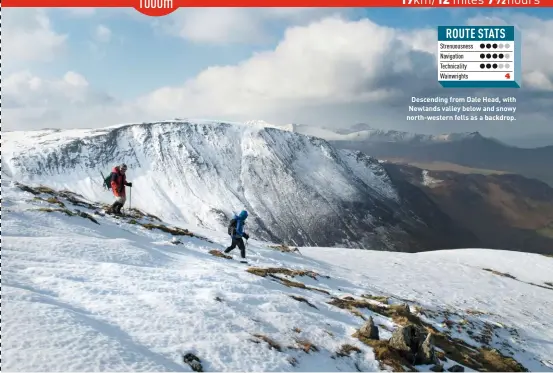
299	190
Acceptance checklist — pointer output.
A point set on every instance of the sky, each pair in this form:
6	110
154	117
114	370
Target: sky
331	67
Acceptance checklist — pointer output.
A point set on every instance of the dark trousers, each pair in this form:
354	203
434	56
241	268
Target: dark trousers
237	242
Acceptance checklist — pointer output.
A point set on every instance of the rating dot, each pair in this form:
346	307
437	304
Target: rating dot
500	65
507	45
500	46
488	55
482	46
495	55
482	56
482	66
495	46
495	66
507	55
489	66
488	46
507	65
500	55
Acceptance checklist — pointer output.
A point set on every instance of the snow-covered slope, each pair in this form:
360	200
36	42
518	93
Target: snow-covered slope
116	294
298	189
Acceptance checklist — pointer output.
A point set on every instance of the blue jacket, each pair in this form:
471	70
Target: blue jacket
240	220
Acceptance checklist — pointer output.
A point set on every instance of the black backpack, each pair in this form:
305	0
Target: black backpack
232	227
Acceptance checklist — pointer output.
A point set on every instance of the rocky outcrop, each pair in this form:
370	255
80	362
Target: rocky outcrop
414	344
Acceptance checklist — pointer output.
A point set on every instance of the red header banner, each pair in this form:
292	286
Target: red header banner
164	7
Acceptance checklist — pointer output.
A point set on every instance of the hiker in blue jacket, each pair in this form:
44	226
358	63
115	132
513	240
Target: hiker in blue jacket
236	231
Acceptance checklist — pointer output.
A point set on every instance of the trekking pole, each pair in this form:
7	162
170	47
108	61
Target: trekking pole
130	199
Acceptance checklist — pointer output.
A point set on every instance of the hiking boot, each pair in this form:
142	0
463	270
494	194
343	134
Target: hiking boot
115	208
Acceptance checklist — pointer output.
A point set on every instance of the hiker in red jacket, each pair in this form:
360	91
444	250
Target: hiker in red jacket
118	183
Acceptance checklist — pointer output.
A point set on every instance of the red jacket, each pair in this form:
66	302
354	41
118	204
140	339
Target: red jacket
118	182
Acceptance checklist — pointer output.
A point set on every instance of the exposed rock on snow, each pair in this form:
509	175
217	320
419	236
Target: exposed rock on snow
144	301
369	330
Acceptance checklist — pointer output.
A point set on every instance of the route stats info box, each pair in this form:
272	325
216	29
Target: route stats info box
479	57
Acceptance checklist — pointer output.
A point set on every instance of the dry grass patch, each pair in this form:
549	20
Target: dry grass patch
87	216
36	190
272	344
303	300
219	254
174	231
74	198
499	273
479	359
69	213
347	350
54	200
476	358
400	314
296	330
387	356
378	298
64	210
306	346
272	272
140	214
263	272
284	248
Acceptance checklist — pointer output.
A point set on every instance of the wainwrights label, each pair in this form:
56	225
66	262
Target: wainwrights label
479	56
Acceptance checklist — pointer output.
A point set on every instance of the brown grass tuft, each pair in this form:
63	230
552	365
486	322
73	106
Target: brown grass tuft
283	248
219	254
306	346
56	201
303	300
65	211
387	356
378	298
347	350
397	313
174	231
271	272
272	344
263	272
499	273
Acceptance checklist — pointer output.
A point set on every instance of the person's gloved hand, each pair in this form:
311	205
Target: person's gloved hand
246	236
129	184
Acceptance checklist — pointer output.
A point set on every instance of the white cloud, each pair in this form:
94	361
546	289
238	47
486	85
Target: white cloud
328	62
537	47
235	25
102	34
28	36
33	102
331	71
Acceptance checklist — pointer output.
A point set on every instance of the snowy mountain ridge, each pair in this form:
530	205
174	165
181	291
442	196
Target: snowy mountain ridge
299	189
363	132
84	291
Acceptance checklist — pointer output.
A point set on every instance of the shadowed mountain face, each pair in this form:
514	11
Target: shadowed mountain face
299	190
473	151
508	212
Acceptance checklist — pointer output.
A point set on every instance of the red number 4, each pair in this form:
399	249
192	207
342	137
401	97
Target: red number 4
507	76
